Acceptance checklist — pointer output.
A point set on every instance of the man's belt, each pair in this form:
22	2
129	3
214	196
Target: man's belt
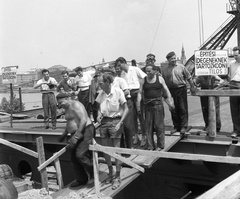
152	101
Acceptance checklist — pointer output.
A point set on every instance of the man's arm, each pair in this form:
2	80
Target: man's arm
140	95
169	99
38	84
81	120
59	86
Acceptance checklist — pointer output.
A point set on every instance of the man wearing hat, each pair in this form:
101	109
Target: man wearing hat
176	77
150	59
82	131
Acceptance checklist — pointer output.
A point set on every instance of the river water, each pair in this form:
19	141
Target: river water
31	100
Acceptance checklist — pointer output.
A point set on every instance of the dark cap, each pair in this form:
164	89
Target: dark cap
151	56
62	95
236	48
169	55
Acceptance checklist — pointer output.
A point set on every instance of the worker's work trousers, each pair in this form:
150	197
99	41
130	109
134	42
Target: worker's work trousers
180	114
154	112
134	116
81	156
49	102
205	111
235	110
83	97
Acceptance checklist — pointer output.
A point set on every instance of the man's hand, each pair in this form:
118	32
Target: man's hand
193	90
118	126
99	119
72	142
170	103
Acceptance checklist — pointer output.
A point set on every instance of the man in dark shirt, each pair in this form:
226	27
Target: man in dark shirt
151	91
66	85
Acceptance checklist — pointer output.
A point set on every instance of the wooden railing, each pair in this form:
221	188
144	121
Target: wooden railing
40	155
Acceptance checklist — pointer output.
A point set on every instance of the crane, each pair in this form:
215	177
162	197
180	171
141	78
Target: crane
219	39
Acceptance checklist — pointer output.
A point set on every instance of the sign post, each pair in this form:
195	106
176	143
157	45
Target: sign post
9	76
211	63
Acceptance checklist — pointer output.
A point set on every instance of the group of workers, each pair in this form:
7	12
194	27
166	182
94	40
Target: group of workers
120	96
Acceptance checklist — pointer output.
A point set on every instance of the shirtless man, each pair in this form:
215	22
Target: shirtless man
82	131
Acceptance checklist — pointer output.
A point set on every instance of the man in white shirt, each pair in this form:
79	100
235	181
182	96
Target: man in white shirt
133	75
112	112
234	75
83	81
47	86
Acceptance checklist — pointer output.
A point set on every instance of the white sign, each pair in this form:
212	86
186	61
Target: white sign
9	74
211	62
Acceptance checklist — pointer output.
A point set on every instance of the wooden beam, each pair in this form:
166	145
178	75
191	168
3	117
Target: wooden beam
228	188
220	93
170	155
58	173
96	172
125	160
19	148
54	157
211	130
41	159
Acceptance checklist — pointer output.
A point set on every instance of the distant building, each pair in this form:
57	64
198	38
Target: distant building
183	57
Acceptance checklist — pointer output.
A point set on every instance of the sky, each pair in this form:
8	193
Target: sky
43	33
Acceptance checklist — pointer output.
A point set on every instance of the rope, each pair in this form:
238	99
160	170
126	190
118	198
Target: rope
158	25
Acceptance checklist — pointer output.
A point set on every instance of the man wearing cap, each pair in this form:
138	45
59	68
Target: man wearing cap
133	76
234	76
176	77
82	131
150	59
47	86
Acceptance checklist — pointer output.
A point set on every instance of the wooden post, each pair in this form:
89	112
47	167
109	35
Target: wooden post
20	98
96	171
59	173
211	117
11	103
41	159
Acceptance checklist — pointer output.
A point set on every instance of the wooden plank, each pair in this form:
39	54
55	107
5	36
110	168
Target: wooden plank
220	93
37	121
96	171
211	130
147	161
54	157
58	173
41	159
228	188
171	155
19	148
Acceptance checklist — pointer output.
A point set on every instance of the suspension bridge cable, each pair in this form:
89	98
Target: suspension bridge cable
202	21
158	25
